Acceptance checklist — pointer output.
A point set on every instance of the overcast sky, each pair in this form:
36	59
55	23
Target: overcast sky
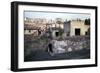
53	15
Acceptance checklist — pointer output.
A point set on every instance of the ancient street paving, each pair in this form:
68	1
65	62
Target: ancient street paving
41	55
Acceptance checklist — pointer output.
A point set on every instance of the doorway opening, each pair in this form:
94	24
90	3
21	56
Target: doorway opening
77	31
57	34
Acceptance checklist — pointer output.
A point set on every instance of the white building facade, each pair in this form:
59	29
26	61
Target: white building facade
78	28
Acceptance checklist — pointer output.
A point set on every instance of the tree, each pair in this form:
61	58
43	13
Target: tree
87	21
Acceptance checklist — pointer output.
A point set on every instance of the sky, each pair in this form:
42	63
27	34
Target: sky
53	15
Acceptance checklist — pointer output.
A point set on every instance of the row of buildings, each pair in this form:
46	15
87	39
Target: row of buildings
38	26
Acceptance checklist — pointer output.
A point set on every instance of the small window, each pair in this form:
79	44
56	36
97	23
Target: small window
29	31
86	33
